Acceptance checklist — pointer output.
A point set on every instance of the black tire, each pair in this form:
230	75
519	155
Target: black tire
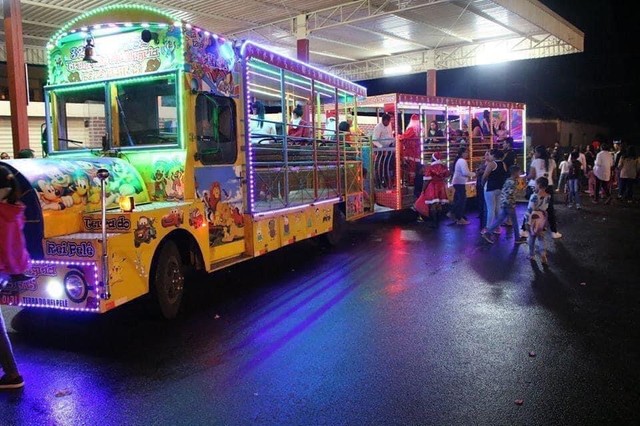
337	234
168	280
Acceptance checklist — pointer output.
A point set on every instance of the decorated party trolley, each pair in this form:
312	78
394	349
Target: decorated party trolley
170	150
393	168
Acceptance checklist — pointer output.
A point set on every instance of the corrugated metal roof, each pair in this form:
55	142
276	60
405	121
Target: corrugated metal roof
356	39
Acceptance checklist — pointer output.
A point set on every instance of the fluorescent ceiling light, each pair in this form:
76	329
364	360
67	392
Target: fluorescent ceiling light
331	55
399	69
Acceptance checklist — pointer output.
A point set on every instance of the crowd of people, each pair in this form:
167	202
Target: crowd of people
552	173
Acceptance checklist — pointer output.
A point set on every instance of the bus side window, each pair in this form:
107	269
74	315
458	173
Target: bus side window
215	129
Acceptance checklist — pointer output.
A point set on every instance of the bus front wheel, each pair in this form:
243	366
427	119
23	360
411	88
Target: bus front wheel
168	280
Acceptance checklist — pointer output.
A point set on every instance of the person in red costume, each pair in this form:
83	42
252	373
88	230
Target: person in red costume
299	129
14	262
435	180
14	258
410	149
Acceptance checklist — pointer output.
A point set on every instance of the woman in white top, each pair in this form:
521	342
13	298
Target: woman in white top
501	132
461	174
602	171
544	166
260	130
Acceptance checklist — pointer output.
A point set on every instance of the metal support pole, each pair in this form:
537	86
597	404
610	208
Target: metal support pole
103	175
16	70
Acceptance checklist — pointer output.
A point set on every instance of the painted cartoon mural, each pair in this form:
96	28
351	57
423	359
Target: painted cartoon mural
73	184
220	191
211	61
125	53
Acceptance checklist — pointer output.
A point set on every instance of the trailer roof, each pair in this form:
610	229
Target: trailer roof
357	40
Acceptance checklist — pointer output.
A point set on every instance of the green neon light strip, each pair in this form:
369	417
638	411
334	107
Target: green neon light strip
180	105
66	27
77	88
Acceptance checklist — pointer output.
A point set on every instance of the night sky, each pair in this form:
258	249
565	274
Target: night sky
600	85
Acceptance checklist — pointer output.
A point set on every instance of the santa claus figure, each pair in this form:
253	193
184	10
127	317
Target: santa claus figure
410	149
435	176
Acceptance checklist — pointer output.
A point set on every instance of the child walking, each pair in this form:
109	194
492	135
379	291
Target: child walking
14	261
536	217
573	180
507	208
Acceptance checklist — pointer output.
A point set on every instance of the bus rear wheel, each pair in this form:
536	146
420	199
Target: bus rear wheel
168	280
336	235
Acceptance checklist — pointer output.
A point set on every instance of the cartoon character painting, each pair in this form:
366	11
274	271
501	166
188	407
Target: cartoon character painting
175	217
80	186
159	185
145	231
196	218
50	198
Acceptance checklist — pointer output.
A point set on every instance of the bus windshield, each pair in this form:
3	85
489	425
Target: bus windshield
79	118
145	114
147	111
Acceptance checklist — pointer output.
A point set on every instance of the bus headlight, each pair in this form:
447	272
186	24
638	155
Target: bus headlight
75	286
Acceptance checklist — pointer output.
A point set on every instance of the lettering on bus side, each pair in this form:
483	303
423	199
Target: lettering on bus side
70	249
40	301
118	223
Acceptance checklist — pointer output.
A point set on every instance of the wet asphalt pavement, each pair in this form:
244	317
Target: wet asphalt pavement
400	325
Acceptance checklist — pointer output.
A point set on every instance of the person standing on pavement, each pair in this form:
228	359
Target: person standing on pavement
629	171
461	174
507	208
494	176
435	177
602	172
536	218
510	157
573	181
14	261
543	166
482	205
564	172
618	149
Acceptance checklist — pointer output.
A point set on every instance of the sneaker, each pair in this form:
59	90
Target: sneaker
524	234
578	207
521	240
462	222
556	235
483	231
570	206
497	231
420	219
11	383
487	238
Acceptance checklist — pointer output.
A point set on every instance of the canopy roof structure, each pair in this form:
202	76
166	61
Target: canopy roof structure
358	40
